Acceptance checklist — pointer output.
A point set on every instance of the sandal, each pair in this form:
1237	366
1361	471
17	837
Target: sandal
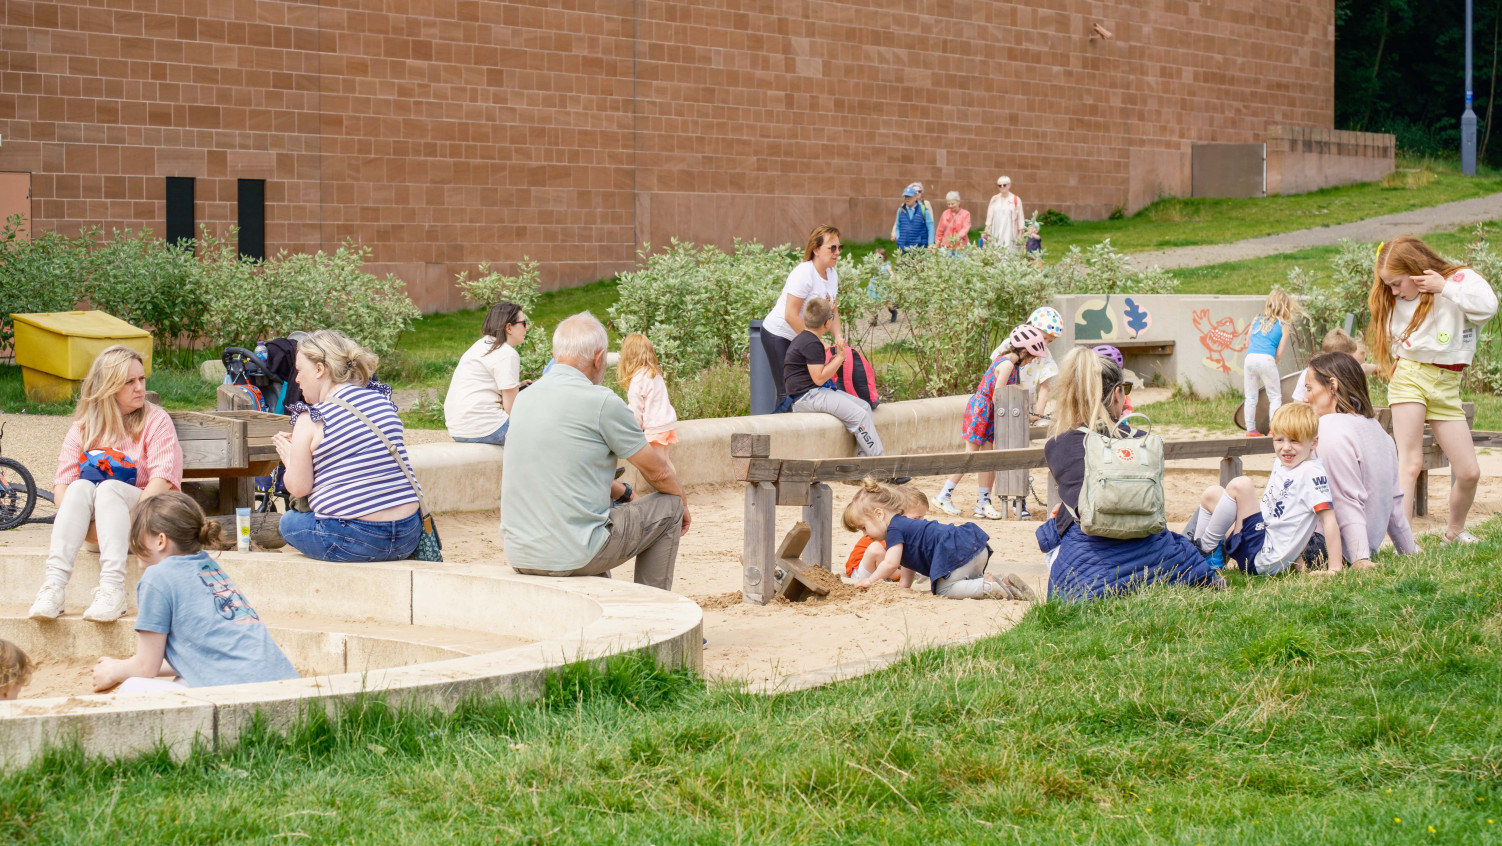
1464	537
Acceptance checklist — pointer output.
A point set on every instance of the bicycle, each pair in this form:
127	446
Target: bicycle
18	491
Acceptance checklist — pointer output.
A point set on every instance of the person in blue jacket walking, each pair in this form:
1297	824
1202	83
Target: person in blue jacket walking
915	223
1088	567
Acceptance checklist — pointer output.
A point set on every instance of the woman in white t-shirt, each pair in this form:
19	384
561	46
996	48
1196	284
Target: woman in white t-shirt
477	409
815	277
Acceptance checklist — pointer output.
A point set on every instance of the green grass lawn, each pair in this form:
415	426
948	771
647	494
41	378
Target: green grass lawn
1258	276
1359	709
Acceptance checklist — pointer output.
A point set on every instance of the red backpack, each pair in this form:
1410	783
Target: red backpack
856	377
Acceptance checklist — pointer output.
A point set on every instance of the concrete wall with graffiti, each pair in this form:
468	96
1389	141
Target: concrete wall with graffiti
1194	340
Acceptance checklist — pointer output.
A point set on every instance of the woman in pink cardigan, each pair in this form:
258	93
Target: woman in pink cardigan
119	450
954	224
1360	457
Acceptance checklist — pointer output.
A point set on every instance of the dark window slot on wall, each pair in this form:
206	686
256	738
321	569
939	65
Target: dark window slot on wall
252	218
180	223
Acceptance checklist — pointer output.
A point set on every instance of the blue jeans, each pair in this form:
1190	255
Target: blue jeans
498	437
337	539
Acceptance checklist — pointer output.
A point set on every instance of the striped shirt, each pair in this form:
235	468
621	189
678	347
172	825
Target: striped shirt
353	474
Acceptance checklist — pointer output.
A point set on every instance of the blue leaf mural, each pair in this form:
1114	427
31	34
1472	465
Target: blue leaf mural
1137	317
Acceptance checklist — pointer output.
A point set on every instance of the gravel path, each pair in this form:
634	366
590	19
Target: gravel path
1415	222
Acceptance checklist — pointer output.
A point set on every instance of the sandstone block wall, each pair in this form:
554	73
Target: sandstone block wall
444	133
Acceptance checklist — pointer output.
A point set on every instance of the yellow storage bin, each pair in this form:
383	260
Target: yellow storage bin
55	349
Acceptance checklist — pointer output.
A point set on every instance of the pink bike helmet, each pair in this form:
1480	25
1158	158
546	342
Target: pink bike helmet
1110	352
1029	337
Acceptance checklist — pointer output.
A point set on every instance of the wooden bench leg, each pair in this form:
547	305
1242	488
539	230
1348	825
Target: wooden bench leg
236	492
1230	468
819	515
759	551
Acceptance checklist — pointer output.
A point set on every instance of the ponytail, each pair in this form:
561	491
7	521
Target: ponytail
179	517
1086	380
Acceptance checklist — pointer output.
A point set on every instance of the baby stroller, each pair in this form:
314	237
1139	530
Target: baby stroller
269	378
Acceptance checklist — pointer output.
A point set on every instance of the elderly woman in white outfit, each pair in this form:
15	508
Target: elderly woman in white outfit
1004	217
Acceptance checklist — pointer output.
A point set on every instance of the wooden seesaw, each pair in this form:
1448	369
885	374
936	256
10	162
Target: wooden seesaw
772	482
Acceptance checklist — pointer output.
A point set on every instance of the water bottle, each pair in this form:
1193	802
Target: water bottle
261	350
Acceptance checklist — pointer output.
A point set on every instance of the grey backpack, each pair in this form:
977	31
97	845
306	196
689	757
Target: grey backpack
1122	495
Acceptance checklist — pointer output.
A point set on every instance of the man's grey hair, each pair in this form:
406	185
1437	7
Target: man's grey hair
579	338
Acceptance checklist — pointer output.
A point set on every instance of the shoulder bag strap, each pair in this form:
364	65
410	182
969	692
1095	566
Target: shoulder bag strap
396	456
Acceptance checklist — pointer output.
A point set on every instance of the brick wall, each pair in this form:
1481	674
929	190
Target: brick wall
444	133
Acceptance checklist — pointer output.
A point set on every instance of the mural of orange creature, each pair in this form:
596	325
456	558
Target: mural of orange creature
1219	338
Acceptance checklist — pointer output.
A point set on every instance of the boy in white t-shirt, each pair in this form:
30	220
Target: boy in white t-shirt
1267	536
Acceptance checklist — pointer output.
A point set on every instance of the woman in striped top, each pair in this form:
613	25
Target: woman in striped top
364	509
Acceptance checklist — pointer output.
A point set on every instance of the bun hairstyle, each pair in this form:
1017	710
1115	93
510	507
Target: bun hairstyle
103	424
1341	374
1085	381
15	666
176	515
1411	257
348	363
871	496
500	316
823	232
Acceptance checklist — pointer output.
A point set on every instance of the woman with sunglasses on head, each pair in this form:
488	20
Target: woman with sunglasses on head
1092	396
815	277
477	409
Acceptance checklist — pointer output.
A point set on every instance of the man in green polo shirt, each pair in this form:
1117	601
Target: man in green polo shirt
567	432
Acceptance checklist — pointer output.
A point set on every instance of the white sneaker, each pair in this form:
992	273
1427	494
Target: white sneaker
946	505
107	607
985	509
48	605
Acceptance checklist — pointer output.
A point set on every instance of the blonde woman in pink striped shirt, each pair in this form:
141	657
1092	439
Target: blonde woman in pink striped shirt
119	450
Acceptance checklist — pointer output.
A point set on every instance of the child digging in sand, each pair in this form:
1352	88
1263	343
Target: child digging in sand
191	620
1267	536
15	670
868	553
954	558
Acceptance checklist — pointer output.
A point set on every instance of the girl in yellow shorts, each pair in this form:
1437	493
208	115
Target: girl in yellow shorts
1426	314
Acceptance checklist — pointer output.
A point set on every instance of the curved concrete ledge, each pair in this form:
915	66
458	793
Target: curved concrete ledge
467	477
568	620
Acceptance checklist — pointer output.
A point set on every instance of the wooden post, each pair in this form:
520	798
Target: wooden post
1230	468
1421	494
1012	432
758	552
819	515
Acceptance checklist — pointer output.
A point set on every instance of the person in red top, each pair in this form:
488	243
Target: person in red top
119	450
954	224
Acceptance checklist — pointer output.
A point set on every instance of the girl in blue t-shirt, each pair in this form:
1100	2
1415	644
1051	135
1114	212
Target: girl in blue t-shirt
1269	336
954	558
192	623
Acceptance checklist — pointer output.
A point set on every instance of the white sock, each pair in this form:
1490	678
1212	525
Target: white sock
948	488
982	494
1220	523
1201	523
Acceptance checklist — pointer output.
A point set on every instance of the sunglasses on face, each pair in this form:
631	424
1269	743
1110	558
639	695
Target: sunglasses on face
521	323
834	248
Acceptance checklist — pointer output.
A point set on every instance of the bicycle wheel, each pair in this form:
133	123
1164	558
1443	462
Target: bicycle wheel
18	493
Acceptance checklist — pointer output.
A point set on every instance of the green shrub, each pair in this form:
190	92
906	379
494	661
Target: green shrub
492	287
251	299
721	390
39	274
1054	217
148	283
695	303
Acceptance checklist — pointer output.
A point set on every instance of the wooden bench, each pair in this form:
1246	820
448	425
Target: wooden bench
231	446
1134	346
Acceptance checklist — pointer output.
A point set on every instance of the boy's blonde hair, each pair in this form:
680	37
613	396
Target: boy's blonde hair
637	356
817	312
915	498
1336	340
100	418
15	667
871	496
1296	420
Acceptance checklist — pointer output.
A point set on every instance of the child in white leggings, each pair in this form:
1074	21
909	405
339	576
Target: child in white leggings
1269	338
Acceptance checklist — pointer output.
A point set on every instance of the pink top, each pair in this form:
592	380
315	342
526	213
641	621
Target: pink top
1362	461
157	454
648	398
954	228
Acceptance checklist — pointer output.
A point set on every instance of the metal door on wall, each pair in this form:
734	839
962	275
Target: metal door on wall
1229	170
15	199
